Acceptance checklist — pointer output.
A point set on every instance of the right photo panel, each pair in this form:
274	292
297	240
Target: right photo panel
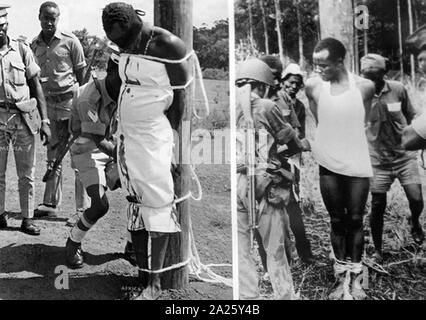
329	136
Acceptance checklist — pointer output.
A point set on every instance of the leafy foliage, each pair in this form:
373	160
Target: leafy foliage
212	46
382	32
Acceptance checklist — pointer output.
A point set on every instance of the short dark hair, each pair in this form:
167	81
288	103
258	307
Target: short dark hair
119	12
48	4
335	48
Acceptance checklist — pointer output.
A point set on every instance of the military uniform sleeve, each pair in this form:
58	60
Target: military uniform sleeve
77	54
89	117
406	106
301	116
278	128
31	67
419	125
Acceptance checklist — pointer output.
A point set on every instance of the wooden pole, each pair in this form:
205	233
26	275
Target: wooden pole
411	26
265	26
176	16
398	6
336	20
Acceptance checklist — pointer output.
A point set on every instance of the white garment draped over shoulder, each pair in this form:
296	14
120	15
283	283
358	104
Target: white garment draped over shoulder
145	143
340	143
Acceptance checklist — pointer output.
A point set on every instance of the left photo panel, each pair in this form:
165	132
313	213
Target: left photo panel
115	171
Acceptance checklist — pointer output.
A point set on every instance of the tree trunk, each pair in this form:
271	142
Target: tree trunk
411	26
416	14
278	16
300	33
400	39
365	33
336	20
251	37
176	16
265	26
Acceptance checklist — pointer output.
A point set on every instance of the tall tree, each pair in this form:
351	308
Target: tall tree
300	34
411	27
278	17
336	20
265	25
401	62
250	14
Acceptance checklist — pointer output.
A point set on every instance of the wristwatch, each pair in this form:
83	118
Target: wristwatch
47	121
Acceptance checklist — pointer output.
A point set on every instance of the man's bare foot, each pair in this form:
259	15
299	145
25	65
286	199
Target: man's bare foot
337	293
357	291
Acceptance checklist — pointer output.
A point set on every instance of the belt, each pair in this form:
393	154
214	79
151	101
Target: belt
61	97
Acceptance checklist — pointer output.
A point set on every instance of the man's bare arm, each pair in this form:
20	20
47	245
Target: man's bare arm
411	140
309	91
79	75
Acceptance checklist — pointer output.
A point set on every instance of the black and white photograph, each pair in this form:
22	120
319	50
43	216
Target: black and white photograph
115	174
329	136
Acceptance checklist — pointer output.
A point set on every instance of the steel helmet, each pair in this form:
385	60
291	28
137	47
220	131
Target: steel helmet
292	69
254	69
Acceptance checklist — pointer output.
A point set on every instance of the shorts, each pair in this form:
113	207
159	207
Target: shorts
407	172
91	167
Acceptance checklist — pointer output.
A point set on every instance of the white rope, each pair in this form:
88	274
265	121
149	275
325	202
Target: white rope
190	194
197	267
199	75
163	60
172	267
346	268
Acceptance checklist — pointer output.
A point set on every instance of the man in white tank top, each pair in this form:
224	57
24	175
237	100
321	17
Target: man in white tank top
340	102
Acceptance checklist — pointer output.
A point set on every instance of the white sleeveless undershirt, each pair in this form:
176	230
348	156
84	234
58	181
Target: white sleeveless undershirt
340	141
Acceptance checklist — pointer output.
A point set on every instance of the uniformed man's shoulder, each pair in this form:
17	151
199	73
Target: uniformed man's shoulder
395	85
68	34
22	41
20	44
266	104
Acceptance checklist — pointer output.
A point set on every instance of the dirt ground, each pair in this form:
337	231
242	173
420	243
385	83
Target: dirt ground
27	263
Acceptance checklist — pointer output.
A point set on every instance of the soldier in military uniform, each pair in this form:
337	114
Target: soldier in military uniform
20	120
60	57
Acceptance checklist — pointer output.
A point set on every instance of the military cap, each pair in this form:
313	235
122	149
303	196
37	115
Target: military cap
372	60
3	13
416	42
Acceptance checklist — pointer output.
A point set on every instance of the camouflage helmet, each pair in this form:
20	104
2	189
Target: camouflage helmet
255	70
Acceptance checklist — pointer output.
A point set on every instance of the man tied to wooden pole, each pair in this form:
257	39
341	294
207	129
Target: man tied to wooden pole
152	61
